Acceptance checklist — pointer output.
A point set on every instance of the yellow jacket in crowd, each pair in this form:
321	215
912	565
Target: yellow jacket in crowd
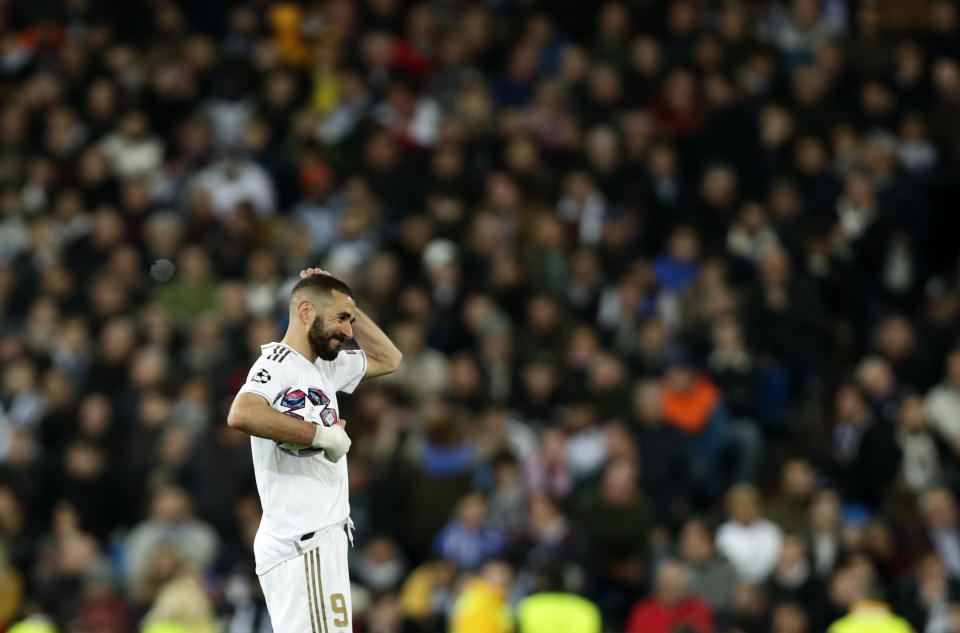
870	617
558	613
481	608
33	624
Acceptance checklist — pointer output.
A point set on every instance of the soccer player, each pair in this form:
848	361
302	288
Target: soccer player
301	546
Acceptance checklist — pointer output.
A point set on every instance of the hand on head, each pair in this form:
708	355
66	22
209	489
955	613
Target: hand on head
306	272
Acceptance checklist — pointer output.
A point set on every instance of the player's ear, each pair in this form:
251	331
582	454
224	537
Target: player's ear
305	311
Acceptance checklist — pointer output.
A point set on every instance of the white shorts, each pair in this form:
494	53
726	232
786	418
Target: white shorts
311	593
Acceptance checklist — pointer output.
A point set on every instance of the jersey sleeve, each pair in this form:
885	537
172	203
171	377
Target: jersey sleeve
347	370
266	378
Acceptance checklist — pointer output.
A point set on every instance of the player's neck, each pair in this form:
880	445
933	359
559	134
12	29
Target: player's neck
300	344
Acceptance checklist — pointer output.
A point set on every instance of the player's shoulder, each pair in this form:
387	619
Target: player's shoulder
281	354
275	360
275	352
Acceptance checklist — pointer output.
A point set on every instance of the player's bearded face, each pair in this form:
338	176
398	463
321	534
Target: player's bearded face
325	343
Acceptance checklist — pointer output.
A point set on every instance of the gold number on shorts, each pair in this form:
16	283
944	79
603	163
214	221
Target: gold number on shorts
339	606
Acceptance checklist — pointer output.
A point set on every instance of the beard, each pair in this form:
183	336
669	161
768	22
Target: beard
324	344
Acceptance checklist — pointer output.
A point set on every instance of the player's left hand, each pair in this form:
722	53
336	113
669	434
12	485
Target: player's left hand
333	440
306	272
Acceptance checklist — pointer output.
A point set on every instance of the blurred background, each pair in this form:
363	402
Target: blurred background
676	282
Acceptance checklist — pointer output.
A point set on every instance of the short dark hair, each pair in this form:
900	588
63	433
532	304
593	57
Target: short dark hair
321	285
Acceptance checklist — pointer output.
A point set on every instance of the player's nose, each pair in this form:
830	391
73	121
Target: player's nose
347	331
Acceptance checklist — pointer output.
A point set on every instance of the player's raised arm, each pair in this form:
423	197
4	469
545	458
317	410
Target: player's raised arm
383	357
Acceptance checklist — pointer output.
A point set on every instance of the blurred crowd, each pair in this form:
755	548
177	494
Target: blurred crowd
676	282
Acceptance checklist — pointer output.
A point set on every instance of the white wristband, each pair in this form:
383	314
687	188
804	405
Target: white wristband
333	440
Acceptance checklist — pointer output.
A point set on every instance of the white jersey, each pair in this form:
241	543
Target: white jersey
306	493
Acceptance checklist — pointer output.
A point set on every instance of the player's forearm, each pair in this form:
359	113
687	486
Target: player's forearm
252	415
381	353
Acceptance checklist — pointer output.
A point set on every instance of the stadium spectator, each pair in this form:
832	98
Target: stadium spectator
103	607
180	605
943	401
170	526
554	605
824	537
793	579
749	541
427	595
694	404
380	565
671	607
790	508
943	527
927	459
482	606
927	596
864	449
665	464
469	539
857	591
708	575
